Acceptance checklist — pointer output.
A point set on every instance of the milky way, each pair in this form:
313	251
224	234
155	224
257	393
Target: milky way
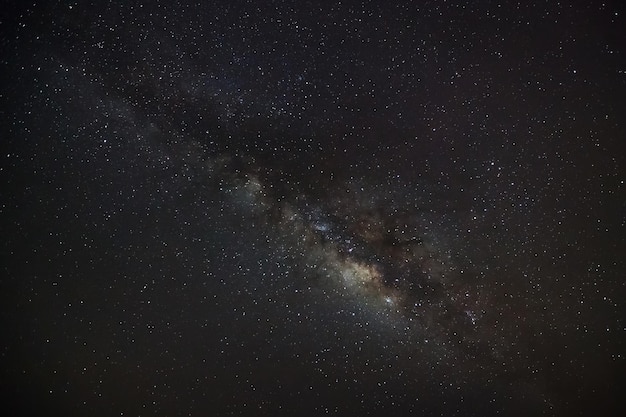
298	208
373	252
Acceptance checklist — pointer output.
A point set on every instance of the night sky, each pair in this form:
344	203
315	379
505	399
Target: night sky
312	208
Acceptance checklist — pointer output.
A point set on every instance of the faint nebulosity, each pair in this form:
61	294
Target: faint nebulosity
313	208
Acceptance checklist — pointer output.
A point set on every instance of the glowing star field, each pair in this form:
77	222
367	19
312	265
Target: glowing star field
356	208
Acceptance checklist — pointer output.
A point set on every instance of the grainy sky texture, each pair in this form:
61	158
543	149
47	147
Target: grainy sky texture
313	208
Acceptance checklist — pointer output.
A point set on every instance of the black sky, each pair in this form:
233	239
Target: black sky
303	208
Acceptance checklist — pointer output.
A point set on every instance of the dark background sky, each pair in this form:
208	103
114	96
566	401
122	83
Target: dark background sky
305	208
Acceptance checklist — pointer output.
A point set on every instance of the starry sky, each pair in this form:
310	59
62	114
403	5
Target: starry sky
313	208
